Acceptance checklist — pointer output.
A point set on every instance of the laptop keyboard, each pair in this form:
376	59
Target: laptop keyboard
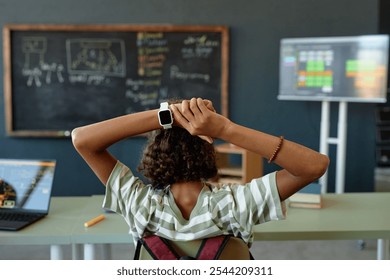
19	217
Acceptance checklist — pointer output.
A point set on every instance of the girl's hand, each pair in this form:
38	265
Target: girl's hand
199	118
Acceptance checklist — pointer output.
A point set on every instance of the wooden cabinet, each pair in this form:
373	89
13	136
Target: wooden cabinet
236	164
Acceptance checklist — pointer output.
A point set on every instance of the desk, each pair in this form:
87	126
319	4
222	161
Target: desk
54	230
343	216
346	216
113	229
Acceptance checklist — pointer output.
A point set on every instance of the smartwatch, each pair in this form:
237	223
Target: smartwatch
165	116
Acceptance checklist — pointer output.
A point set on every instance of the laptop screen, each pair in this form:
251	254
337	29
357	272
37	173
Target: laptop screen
26	184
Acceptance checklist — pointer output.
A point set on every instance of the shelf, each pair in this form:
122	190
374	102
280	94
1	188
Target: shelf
231	180
232	171
229	149
250	165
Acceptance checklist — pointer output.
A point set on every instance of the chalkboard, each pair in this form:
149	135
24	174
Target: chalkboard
58	77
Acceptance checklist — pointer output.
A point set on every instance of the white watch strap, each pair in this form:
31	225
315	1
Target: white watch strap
164	106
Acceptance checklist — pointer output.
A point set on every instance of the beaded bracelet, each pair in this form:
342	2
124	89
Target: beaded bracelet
272	158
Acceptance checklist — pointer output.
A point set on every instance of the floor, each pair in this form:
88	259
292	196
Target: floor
270	250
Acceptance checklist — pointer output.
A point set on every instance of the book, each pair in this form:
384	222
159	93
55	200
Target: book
308	197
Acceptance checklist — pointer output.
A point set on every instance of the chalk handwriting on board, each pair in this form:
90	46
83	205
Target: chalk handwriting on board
175	73
152	48
148	91
35	68
199	47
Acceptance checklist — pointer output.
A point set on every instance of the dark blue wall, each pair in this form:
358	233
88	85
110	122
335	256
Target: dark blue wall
256	28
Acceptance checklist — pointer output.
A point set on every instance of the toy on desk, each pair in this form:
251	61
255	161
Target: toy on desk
94	221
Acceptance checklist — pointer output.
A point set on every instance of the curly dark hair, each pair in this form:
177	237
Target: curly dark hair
174	155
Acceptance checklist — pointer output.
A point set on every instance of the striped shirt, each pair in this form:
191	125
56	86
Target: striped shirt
220	209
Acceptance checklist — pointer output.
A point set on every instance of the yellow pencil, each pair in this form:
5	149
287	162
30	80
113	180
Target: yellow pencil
94	221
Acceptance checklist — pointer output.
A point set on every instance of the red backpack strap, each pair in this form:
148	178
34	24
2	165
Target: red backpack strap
211	248
159	248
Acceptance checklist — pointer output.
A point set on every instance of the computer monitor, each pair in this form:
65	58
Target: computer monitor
352	69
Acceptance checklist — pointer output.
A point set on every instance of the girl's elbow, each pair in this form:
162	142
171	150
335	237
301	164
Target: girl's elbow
325	163
320	167
77	139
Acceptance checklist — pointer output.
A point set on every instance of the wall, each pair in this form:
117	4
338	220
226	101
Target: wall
255	29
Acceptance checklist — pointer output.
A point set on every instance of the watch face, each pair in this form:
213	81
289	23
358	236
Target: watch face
165	117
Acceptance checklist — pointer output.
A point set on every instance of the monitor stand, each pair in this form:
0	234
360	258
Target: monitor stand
340	141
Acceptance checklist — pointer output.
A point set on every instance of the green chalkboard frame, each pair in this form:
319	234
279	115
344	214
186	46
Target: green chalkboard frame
11	103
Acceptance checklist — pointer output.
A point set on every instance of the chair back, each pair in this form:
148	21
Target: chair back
235	249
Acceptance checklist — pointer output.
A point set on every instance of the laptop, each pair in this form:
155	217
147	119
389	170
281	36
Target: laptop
25	191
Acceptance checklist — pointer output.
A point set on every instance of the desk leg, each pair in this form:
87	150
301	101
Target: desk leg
77	252
56	252
107	253
383	249
89	251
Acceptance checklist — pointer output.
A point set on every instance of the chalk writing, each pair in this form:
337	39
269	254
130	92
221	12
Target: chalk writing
152	50
201	41
198	47
175	73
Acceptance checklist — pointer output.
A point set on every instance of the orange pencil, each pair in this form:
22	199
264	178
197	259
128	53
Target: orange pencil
94	221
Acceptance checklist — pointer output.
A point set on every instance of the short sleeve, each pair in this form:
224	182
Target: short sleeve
128	196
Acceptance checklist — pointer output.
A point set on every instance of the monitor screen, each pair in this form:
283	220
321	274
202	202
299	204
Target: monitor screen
352	69
26	184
